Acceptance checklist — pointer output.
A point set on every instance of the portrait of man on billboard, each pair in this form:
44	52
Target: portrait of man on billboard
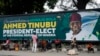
76	30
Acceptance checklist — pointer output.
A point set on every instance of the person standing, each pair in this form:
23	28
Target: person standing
73	43
34	38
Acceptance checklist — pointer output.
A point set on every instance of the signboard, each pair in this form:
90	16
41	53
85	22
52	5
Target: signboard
50	26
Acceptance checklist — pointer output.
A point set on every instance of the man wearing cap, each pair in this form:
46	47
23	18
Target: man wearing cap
76	30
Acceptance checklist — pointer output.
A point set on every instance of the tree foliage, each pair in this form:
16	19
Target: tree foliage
51	3
81	4
21	6
30	6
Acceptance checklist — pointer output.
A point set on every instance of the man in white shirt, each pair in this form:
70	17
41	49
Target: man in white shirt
76	31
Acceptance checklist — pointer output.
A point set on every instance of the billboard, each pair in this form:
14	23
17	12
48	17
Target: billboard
50	26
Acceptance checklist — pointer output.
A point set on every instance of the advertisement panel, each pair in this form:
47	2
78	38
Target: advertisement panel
62	25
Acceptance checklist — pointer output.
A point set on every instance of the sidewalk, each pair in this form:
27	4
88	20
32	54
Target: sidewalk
47	53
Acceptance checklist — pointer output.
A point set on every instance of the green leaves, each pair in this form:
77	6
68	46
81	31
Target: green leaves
51	3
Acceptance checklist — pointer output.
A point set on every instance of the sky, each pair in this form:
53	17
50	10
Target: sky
70	6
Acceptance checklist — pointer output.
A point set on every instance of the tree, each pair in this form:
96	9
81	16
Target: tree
51	3
81	4
30	6
73	4
21	6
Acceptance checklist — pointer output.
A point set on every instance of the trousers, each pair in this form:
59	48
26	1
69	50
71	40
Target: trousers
34	47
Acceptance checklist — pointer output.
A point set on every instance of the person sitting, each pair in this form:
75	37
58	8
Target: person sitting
27	44
49	44
44	45
11	46
57	44
16	46
90	48
5	45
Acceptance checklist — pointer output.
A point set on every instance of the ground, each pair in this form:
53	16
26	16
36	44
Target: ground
47	53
